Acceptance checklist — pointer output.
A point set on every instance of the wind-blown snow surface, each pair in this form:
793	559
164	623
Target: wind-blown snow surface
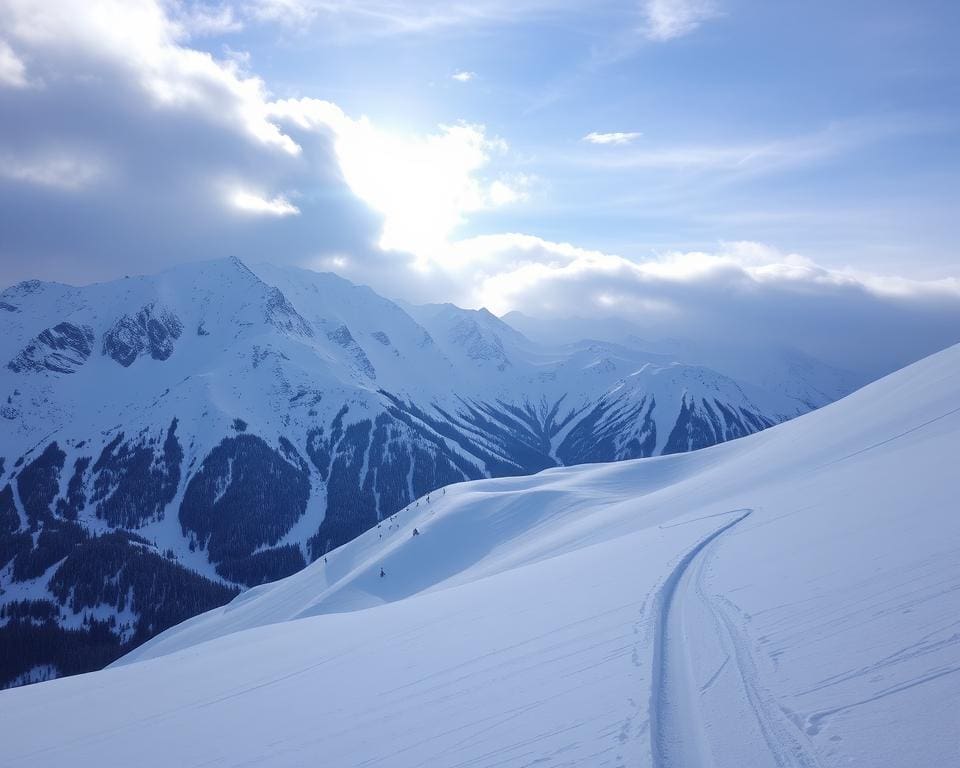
787	599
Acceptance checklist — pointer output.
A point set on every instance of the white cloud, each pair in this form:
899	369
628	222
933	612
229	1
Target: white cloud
512	266
463	76
249	202
159	137
617	137
742	292
289	12
423	185
504	192
199	19
140	39
166	119
378	18
13	72
669	19
54	170
760	155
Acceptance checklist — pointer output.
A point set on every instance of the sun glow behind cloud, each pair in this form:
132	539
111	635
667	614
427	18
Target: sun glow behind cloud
423	185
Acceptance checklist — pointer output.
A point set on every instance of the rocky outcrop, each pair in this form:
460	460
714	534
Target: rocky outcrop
60	349
152	331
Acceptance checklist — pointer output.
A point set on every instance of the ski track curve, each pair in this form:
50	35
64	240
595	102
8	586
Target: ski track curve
677	727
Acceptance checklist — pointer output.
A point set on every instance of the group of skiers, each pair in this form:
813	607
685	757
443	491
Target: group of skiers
416	532
383	572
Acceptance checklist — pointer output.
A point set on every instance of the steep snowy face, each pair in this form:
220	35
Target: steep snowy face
223	426
475	337
788	599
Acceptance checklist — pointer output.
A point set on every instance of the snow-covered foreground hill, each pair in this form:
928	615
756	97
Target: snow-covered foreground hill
787	599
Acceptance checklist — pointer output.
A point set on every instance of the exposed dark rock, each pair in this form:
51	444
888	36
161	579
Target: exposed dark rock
479	345
152	331
60	349
344	338
281	314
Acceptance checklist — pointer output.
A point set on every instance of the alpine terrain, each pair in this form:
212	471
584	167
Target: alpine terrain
170	440
787	599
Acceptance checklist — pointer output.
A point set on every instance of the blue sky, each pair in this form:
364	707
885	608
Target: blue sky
689	165
825	128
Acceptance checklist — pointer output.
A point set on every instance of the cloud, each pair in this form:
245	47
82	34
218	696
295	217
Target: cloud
382	18
424	185
743	292
56	170
463	76
129	153
669	19
252	203
154	132
616	137
13	72
762	155
198	19
131	150
139	40
285	11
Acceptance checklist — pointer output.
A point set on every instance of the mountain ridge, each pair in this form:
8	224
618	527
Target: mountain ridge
775	600
243	421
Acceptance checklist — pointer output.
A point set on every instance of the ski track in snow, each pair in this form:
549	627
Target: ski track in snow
679	730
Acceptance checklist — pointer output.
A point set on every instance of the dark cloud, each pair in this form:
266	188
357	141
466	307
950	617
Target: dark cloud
100	175
746	294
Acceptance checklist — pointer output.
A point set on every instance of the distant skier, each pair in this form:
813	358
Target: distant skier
382	573
416	532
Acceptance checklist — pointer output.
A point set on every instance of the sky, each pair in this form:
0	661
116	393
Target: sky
786	170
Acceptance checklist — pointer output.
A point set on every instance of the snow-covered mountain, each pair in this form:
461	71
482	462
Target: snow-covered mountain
167	440
788	599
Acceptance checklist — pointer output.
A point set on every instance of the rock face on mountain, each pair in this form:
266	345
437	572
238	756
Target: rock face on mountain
60	349
221	427
152	331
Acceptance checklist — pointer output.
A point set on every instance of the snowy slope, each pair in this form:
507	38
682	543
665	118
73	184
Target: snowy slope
788	599
168	439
